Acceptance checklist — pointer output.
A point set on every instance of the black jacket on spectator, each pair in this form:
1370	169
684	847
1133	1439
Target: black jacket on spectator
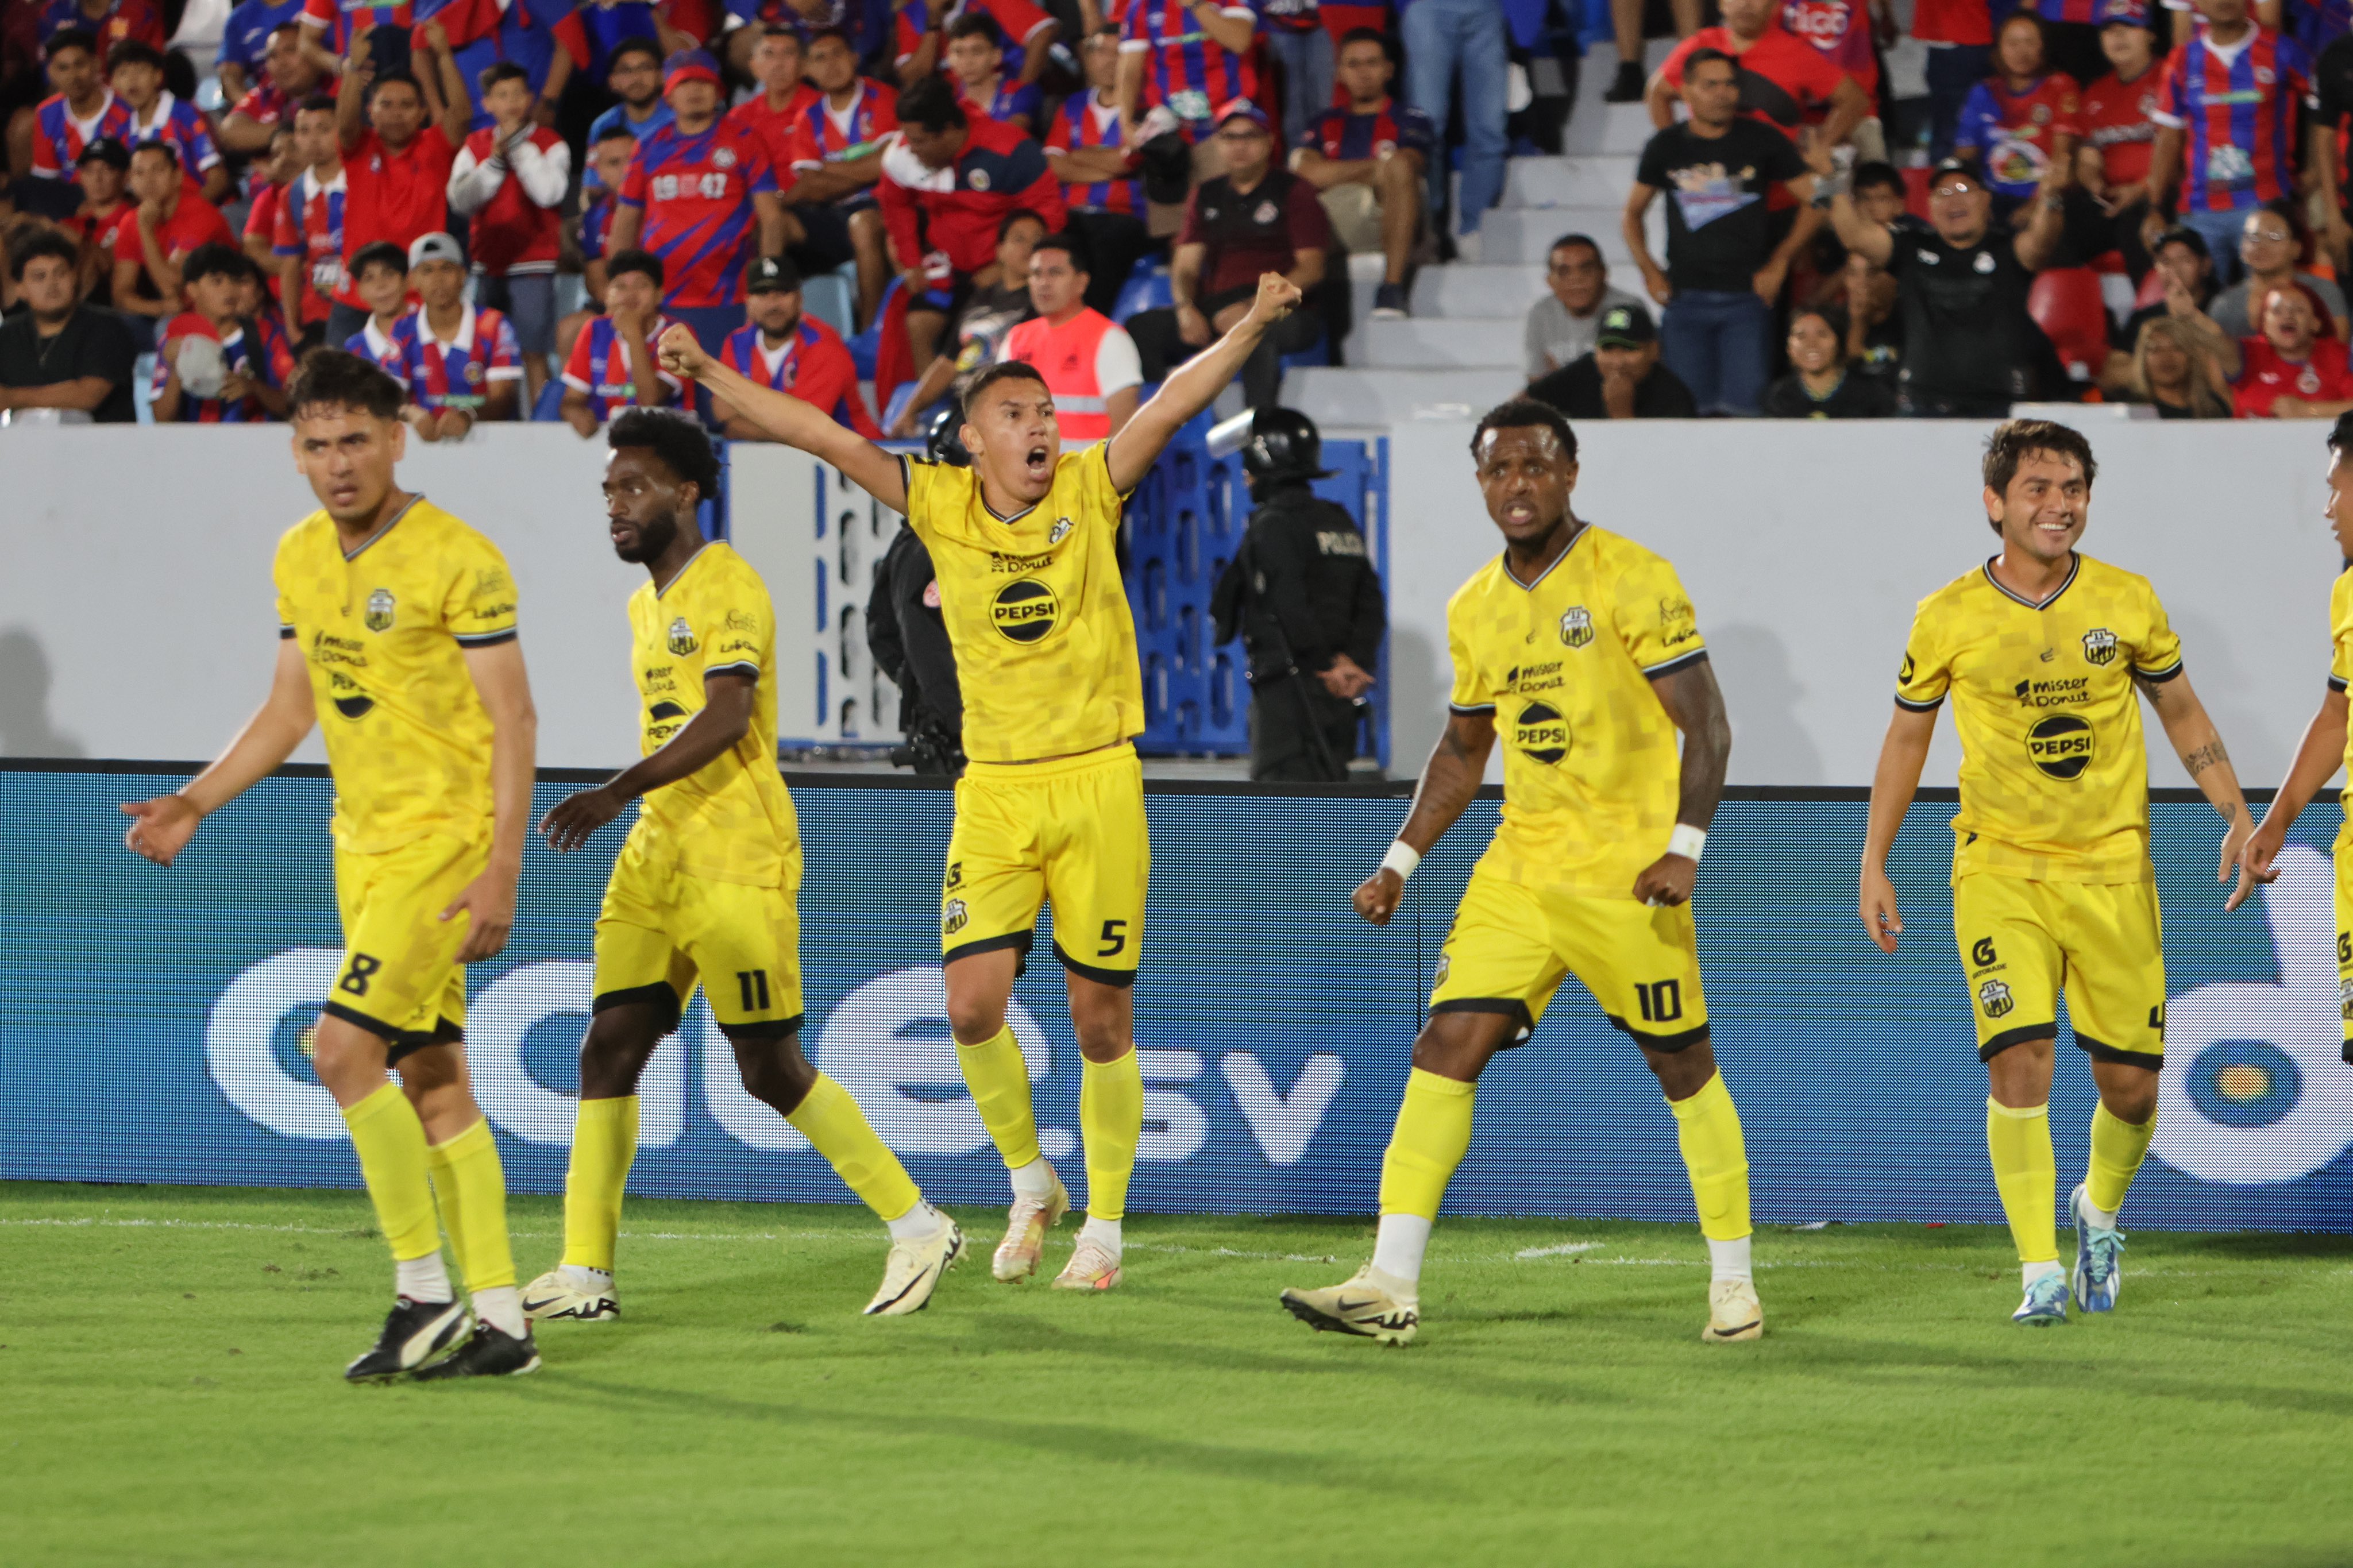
1856	396
93	341
909	641
1970	350
1576	390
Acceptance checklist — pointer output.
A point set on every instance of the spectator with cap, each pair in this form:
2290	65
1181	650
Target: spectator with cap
103	171
612	365
2109	196
460	363
59	353
1367	162
292	75
2269	247
1089	150
1254	218
949	182
1088	361
380	271
81	109
214	366
1821	384
1622	378
1778	79
135	71
634	75
1562	326
702	194
2186	276
989	311
1970	347
1724	270
1445	40
976	56
2228	109
396	164
509	182
155	236
784	350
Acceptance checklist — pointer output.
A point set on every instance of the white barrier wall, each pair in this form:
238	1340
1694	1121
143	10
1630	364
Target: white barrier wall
136	617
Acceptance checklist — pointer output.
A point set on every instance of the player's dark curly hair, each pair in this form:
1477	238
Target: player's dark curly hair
681	444
2014	440
335	378
1525	414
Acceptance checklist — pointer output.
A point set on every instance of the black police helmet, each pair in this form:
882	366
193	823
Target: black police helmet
943	438
1283	445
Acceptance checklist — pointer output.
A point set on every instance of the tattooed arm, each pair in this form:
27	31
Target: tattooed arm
2202	752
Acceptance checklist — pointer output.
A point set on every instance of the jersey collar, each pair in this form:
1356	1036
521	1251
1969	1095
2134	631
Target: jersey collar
2074	565
390	523
700	551
1575	539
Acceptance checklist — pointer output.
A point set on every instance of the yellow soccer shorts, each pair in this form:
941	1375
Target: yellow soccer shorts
1513	944
662	930
2023	942
1068	832
2344	858
400	978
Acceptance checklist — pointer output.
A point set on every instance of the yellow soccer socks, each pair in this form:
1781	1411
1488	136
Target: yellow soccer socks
1000	1081
2117	1149
604	1142
1111	1122
474	1199
390	1142
2018	1142
1707	1129
1432	1134
831	1121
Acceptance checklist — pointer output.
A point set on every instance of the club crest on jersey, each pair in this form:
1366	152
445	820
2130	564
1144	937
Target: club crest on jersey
723	157
977	179
681	637
953	917
1995	998
1985	262
2063	745
2100	646
1267	212
1024	610
1576	626
1541	732
474	373
1060	531
378	614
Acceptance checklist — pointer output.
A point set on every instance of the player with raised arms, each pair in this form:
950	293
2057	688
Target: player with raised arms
2041	648
1050	808
704	888
396	628
1581	648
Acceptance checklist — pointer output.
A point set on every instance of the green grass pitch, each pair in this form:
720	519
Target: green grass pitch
169	1392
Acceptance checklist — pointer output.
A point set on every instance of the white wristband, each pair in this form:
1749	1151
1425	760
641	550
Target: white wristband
1402	858
1687	841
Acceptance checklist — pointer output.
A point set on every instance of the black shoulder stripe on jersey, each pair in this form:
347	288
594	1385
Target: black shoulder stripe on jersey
1911	707
2336	683
1476	710
741	667
2158	677
1684	661
484	639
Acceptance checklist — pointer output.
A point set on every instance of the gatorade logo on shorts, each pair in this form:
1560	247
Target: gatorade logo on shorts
2062	745
1541	732
1024	610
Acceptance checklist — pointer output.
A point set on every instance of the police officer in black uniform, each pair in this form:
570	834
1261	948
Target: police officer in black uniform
1308	604
909	641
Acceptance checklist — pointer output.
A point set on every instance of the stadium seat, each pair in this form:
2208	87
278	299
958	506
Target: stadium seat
2066	304
1147	289
830	298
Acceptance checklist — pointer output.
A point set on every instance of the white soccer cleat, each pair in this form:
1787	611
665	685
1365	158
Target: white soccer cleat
1734	1313
913	1271
557	1295
1371	1304
1094	1267
1026	1224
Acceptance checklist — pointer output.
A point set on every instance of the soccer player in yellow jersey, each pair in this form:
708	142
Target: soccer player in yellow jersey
704	888
397	628
2325	749
1579	647
1050	808
2042	649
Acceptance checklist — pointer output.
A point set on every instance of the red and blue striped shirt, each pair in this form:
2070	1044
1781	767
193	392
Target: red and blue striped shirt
250	349
1185	69
2237	112
600	367
820	133
177	122
1347	138
1083	122
814	366
58	138
387	352
310	225
696	193
459	373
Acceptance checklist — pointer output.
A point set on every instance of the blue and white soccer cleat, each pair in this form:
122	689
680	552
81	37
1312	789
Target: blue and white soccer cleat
2045	1303
2098	1275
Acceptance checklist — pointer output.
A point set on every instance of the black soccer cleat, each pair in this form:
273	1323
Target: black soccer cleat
490	1353
413	1333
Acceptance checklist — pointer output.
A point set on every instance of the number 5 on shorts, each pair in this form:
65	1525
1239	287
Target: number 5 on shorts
1115	940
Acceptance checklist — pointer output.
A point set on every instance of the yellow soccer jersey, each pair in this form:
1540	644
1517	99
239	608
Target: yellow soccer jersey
1034	609
2055	779
382	630
1565	664
732	819
2340	663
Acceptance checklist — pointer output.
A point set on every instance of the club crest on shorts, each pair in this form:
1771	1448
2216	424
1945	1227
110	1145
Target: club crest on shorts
1576	626
2345	996
1060	531
1995	998
1446	962
379	613
954	917
2100	646
681	637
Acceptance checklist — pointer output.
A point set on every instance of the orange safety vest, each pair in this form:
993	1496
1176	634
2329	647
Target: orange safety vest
1065	356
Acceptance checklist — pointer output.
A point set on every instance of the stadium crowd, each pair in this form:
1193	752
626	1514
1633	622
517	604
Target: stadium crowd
869	202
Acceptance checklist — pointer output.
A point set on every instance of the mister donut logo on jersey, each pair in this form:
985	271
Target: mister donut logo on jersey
1576	626
681	637
2063	745
2100	646
1995	998
1541	732
1024	610
378	614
